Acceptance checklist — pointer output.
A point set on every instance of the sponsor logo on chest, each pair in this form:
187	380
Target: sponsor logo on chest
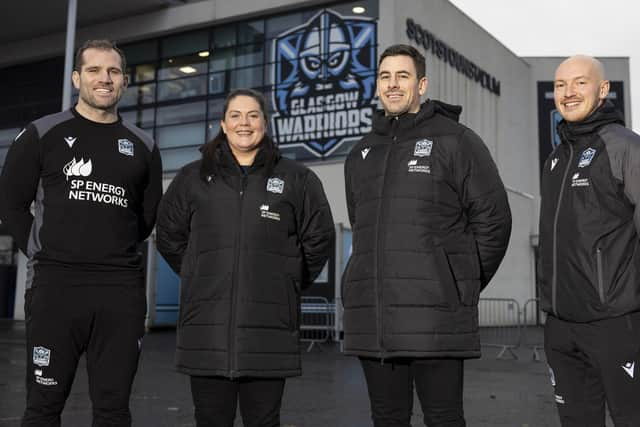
87	190
577	181
266	213
414	167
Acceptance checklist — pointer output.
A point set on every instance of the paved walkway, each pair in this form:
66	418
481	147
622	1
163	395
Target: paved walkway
331	393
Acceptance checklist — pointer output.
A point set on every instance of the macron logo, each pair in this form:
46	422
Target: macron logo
365	151
70	140
629	368
553	163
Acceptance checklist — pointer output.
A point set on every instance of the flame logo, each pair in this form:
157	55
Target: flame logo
75	168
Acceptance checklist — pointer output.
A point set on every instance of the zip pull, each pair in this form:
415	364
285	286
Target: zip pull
243	185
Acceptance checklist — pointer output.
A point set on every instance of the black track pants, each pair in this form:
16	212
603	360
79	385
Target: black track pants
215	400
592	363
106	322
438	384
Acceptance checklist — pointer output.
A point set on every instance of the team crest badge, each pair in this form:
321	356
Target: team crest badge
125	147
324	75
586	157
275	185
423	148
41	356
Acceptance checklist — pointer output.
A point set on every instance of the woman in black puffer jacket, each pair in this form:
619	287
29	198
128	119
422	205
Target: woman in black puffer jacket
246	229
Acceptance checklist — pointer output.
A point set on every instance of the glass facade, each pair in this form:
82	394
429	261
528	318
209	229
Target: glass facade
178	82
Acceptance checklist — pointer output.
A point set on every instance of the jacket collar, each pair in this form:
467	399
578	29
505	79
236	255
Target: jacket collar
603	115
383	125
223	162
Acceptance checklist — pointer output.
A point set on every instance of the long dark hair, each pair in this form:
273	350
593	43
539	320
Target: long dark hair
210	150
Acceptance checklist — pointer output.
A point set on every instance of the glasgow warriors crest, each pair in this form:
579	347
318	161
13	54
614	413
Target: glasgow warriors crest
324	75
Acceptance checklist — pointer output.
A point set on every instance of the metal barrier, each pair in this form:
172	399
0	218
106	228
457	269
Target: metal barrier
500	324
317	320
532	320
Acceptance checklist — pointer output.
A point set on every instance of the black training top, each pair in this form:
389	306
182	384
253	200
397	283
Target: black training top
95	189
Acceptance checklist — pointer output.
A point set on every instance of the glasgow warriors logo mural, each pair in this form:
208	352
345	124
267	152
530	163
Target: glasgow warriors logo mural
324	75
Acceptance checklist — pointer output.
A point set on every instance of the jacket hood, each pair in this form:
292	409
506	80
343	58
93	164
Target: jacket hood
603	115
430	108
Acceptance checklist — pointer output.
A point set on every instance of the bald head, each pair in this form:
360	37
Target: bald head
579	87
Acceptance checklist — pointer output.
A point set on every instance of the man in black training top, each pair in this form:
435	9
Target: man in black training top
590	253
95	182
431	223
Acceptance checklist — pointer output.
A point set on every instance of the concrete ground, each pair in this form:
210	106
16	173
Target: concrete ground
332	391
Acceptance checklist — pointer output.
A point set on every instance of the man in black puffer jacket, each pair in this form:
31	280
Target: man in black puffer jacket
590	253
431	223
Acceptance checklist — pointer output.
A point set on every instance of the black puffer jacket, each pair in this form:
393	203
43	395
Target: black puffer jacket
244	246
431	223
590	220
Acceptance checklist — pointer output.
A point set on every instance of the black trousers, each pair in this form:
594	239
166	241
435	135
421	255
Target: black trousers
62	323
438	384
592	363
215	400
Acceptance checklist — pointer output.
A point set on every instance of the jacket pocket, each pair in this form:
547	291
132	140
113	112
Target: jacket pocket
343	281
447	279
599	274
293	302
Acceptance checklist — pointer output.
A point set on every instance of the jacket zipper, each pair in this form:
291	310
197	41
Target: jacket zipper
378	255
234	283
600	279
554	277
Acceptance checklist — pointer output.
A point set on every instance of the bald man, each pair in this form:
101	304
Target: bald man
590	253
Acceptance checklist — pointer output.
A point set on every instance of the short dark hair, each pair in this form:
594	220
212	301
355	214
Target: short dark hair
410	51
102	44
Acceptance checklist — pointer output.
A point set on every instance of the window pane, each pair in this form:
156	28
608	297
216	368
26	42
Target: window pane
145	72
215	108
141	118
250	55
212	129
280	24
182	88
185	43
217	84
8	135
223	59
182	113
251	32
136	95
174	68
246	78
181	135
141	52
172	160
224	37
